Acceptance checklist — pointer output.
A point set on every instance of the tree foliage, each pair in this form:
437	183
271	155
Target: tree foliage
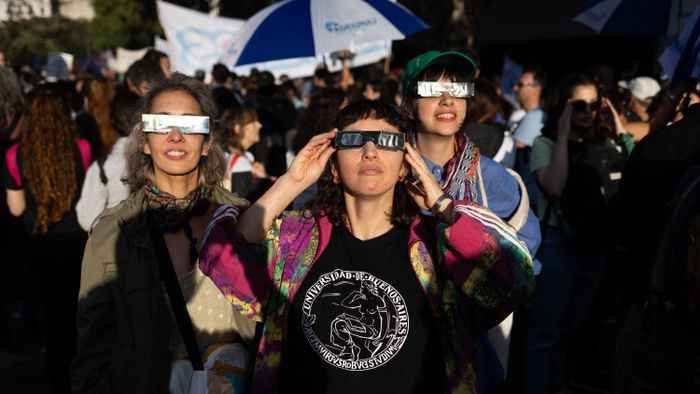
22	39
123	23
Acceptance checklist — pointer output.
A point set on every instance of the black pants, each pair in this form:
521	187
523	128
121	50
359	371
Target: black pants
655	354
55	264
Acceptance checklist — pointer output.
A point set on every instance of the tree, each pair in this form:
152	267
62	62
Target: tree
123	23
21	40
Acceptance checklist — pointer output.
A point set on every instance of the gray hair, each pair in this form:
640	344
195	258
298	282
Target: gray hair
11	98
140	165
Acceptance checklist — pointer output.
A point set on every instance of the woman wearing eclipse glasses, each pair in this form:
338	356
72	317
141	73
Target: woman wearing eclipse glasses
128	340
360	292
572	264
437	89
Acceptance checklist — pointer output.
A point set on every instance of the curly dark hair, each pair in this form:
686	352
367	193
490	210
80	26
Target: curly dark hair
48	155
329	200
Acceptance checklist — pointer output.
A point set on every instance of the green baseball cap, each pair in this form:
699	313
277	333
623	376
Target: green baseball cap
421	62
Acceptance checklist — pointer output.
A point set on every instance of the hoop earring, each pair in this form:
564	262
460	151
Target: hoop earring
336	179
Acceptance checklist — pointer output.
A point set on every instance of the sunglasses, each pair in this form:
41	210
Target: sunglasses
583	106
188	124
436	89
387	140
522	84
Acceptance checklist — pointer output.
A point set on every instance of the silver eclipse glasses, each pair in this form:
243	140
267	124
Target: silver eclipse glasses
436	89
188	124
387	140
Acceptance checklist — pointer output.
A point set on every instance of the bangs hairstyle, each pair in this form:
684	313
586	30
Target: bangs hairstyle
140	165
449	71
241	116
329	200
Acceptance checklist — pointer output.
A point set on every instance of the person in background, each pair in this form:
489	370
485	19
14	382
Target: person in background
528	92
97	96
43	174
140	75
16	284
359	292
104	186
572	261
323	109
222	94
238	130
161	59
640	93
483	129
128	340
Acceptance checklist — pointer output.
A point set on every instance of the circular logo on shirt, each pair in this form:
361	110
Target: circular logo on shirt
354	320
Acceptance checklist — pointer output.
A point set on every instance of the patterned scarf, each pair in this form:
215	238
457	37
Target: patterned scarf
460	176
171	214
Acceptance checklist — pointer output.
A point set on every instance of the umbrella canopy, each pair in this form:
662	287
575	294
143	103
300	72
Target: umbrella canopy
300	28
681	59
658	18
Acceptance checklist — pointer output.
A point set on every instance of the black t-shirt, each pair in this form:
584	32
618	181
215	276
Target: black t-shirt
360	322
68	225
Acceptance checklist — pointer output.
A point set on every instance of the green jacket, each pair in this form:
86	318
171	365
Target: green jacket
123	321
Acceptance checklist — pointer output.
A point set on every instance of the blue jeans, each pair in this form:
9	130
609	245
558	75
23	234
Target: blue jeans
563	293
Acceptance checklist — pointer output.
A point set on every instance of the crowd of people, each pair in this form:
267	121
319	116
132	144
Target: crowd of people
409	232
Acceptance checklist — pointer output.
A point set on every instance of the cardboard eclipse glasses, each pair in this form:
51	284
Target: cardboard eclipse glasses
387	140
436	89
188	124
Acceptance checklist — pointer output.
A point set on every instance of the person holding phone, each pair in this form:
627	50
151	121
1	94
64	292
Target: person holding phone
360	291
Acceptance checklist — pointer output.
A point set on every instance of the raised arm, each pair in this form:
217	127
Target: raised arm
306	168
552	178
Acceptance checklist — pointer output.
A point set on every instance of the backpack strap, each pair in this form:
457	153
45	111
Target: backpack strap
484	199
85	152
11	160
519	217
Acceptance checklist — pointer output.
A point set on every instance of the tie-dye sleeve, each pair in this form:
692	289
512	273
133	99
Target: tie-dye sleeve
487	262
241	270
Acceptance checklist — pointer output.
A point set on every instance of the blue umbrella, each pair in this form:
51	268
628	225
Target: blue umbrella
301	28
681	59
657	18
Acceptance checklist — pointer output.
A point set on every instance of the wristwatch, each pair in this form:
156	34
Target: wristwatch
435	209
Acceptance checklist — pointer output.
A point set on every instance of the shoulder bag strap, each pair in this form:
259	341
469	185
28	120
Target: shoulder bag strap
177	301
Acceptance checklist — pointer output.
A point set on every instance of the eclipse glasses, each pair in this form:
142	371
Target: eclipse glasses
436	89
188	124
387	140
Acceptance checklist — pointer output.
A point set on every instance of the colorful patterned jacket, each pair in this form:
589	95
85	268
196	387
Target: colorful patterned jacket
473	272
